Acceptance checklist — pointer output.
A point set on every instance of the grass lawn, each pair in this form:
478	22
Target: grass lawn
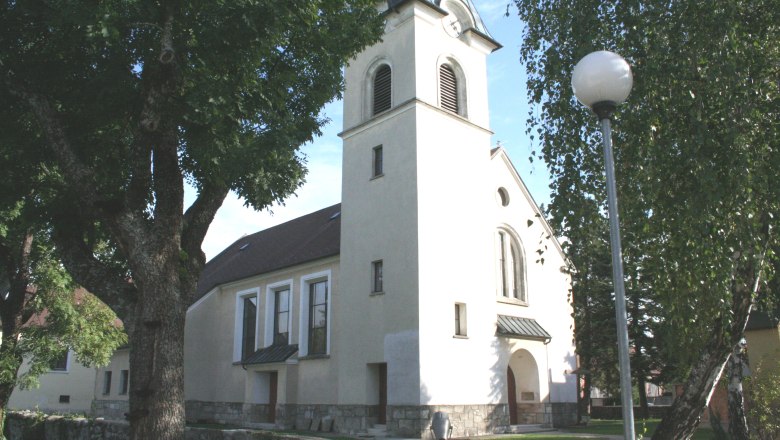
613	427
645	427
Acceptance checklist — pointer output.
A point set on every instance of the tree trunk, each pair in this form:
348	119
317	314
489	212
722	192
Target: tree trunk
738	426
156	364
583	402
685	414
644	408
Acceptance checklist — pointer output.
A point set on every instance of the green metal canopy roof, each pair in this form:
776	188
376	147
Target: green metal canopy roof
269	355
521	328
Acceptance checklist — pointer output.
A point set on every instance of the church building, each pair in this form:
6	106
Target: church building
435	285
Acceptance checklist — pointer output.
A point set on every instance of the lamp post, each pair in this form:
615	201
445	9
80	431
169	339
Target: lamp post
601	81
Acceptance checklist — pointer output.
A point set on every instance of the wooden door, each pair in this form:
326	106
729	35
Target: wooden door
511	396
272	393
382	410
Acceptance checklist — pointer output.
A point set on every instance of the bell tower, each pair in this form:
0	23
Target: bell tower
414	237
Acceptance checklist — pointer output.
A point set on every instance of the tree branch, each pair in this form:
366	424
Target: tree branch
196	223
113	288
78	176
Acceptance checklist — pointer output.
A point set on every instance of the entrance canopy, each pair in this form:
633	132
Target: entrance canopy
521	328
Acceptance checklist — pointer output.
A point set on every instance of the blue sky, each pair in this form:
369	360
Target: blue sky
508	113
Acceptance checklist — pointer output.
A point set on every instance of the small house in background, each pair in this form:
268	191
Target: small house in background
65	389
763	340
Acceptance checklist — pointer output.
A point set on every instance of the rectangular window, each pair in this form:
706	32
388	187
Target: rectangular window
377	162
64	398
124	380
249	326
106	383
376	277
281	316
460	319
60	364
318	317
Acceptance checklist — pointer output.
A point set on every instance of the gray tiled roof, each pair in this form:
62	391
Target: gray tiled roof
521	328
268	355
308	238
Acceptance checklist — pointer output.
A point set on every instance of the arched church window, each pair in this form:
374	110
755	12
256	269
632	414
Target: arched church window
511	268
382	89
448	89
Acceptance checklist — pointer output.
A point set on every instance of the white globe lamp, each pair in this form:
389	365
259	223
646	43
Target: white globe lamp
602	79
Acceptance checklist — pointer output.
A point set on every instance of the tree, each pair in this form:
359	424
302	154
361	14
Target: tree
42	315
697	152
132	98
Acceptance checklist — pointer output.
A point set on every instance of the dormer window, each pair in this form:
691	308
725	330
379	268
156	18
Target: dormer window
382	89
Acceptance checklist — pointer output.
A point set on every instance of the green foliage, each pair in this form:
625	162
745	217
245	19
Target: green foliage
76	321
115	104
763	411
697	153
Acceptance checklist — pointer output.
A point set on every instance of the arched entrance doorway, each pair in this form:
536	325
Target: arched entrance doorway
511	392
523	393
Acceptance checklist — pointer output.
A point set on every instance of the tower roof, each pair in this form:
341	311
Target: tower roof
479	25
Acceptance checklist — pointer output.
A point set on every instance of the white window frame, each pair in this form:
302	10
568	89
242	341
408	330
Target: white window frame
303	323
270	309
519	281
238	333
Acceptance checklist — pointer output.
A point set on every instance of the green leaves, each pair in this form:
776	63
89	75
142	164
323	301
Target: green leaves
696	146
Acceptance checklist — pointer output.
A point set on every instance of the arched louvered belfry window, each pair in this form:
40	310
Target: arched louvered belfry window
448	89
382	89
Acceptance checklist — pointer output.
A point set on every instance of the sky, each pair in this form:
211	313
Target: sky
508	114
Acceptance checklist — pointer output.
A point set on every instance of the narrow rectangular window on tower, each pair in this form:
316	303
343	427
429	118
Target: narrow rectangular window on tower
460	319
377	285
377	162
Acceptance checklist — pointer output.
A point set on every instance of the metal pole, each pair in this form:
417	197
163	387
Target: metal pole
618	280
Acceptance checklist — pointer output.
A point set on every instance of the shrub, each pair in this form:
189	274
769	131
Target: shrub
763	412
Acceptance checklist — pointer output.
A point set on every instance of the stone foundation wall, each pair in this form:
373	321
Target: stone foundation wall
32	426
346	419
534	414
110	409
411	421
466	420
228	413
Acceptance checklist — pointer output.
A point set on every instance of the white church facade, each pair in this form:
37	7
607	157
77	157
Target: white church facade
435	285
